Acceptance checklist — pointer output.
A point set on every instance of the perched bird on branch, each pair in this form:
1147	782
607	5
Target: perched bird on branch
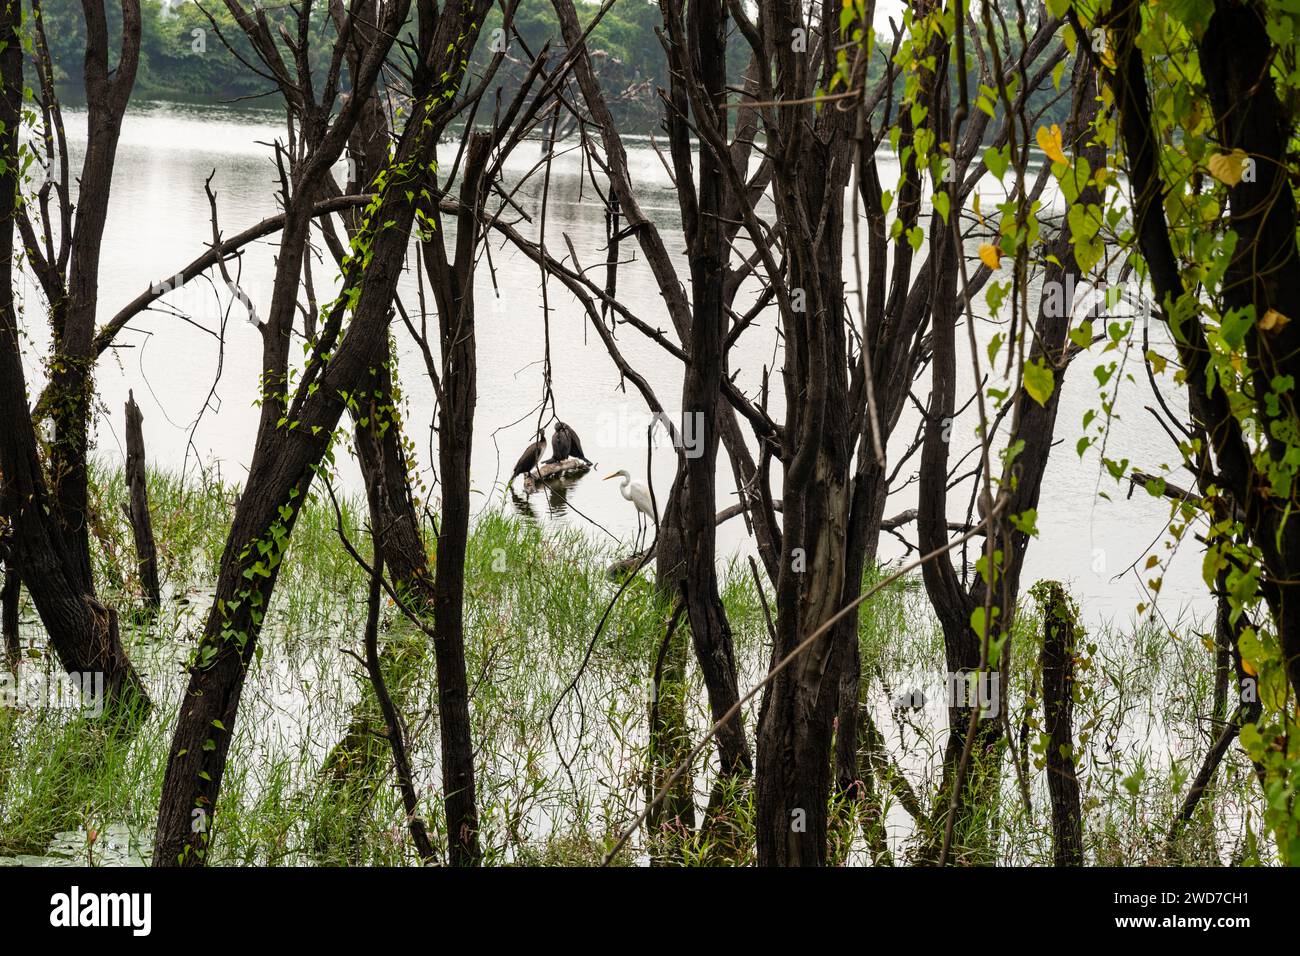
566	444
529	459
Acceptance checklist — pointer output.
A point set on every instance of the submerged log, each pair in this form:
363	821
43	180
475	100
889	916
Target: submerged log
550	470
138	508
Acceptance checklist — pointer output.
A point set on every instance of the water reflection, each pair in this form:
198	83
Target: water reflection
554	492
522	504
557	493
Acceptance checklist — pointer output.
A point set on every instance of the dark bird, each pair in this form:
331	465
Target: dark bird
529	459
566	444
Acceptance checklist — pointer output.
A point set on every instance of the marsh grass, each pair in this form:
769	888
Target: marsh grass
560	712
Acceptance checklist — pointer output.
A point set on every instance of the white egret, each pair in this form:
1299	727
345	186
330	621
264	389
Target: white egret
637	492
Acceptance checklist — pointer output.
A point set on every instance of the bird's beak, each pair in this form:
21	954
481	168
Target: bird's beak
607	477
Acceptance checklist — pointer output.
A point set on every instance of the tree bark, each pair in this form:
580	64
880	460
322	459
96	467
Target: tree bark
453	286
379	442
10	598
1264	273
671	822
72	376
395	729
710	630
285	460
83	632
138	510
1060	642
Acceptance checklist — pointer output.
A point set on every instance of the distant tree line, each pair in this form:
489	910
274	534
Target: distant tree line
183	56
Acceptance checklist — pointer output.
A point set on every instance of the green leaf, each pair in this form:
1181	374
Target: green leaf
1039	381
1026	521
997	161
942	204
1133	782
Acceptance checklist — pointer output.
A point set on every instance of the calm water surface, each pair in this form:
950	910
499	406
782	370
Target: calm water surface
159	221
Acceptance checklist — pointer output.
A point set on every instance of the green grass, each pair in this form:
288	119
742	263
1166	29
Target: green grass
559	790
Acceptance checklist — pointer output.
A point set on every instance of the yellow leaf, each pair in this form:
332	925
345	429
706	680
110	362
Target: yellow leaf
1106	54
1246	666
1049	141
990	255
1273	321
1228	168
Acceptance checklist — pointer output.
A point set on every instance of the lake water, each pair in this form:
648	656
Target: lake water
159	221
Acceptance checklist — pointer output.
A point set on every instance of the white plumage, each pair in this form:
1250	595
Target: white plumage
637	492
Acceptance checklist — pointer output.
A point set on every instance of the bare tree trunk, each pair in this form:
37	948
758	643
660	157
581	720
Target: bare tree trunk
10	597
811	151
1060	640
710	630
83	632
953	604
138	510
453	285
72	378
285	459
670	823
1005	546
394	522
393	724
866	512
1223	645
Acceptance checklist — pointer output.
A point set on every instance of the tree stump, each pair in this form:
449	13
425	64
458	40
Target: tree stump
138	507
1060	644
